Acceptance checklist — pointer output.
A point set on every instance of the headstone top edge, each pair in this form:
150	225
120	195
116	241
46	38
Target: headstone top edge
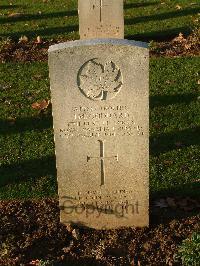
90	42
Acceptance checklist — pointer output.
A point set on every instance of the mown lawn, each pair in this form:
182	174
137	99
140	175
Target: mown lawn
144	19
27	167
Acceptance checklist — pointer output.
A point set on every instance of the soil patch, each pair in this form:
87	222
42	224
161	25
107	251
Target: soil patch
29	51
31	231
179	46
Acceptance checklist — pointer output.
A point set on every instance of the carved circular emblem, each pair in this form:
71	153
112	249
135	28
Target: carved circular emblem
99	81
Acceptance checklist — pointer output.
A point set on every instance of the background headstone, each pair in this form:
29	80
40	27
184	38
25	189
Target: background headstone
101	19
100	108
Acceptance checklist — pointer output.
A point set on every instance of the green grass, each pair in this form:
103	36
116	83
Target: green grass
27	149
144	19
27	166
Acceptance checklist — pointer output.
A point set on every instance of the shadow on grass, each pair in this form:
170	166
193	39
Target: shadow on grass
164	100
137	5
9	6
42	32
163	35
40	123
174	140
188	189
26	124
29	17
23	170
162	16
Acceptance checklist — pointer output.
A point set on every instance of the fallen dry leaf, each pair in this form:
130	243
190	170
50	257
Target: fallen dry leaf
178	7
11	120
196	180
168	162
15	15
179	38
75	234
67	249
171	202
182	202
37	77
188	46
188	208
38	39
40	105
69	227
178	144
161	203
35	262
198	82
23	39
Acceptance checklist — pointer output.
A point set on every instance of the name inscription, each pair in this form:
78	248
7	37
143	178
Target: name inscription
106	121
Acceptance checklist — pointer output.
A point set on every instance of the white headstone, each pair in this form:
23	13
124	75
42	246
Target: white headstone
100	109
101	19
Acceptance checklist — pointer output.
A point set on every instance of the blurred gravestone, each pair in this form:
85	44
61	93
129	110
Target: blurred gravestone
101	19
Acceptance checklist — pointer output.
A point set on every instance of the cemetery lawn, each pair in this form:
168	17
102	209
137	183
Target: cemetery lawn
29	218
144	19
27	148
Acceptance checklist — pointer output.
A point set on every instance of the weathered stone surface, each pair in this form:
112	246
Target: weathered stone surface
100	108
101	19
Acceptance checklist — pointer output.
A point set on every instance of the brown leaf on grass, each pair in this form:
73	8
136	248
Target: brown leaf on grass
188	46
178	7
11	120
37	77
40	105
157	126
182	202
23	39
171	202
161	203
178	144
179	38
168	162
38	40
196	180
15	15
198	82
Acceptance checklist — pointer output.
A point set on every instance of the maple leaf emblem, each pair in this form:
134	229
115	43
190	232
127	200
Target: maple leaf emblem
99	81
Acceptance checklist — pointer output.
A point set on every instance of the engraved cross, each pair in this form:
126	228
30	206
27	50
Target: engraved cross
102	159
101	5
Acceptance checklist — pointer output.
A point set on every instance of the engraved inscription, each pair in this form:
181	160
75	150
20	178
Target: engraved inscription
100	30
99	81
99	122
102	159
